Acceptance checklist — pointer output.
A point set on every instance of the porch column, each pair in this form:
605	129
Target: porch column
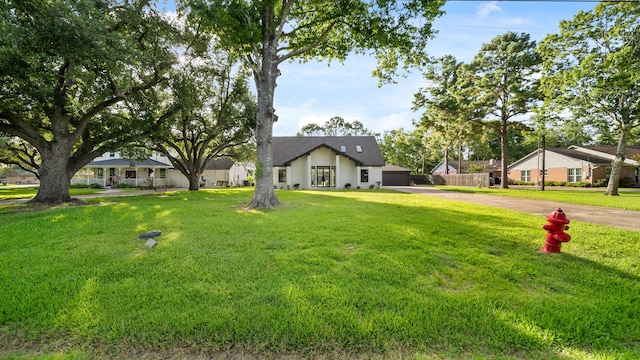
357	176
289	184
338	186
307	170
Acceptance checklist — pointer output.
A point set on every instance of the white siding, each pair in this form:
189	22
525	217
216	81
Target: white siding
552	160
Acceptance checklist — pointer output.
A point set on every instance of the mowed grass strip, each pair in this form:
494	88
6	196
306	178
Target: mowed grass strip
8	193
628	199
333	274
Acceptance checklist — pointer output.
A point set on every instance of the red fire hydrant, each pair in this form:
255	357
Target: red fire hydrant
557	224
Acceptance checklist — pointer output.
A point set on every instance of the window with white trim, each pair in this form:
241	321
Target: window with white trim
574	175
525	175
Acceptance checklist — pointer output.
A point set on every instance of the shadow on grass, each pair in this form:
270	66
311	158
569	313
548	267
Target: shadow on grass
352	272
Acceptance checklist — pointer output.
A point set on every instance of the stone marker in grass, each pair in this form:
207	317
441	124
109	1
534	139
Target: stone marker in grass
151	243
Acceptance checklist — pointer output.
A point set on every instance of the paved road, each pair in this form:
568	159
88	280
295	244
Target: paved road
625	219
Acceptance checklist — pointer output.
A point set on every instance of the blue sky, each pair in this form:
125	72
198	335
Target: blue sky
315	92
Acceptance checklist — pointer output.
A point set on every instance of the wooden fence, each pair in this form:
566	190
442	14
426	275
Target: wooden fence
471	179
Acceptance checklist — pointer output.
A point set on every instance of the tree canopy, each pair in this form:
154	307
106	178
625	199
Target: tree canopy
77	80
216	111
592	70
448	103
505	73
336	126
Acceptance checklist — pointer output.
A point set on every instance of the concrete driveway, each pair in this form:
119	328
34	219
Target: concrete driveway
626	219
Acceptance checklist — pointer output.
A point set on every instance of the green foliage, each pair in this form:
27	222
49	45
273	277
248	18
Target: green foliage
592	69
85	186
210	110
475	168
336	126
442	279
266	33
447	103
409	150
505	78
78	79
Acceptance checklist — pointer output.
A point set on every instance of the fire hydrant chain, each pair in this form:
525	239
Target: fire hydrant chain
557	224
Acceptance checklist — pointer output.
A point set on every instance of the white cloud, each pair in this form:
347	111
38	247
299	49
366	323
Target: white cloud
485	9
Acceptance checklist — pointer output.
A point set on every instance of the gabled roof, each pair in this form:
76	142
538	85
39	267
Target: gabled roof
394	168
489	165
221	163
570	152
630	150
577	154
286	149
126	163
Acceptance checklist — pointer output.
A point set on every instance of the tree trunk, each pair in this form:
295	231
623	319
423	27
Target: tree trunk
504	183
544	160
618	162
194	182
446	161
54	176
264	195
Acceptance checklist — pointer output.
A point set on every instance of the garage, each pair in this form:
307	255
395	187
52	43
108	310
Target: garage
393	175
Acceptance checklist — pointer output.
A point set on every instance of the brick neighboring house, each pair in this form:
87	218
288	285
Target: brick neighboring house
575	164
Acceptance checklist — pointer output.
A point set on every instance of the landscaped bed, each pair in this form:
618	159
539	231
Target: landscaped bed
336	274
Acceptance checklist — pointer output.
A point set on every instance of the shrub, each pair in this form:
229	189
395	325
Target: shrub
372	186
85	186
628	182
601	183
347	185
579	184
296	186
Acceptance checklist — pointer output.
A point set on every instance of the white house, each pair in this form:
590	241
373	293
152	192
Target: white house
222	171
326	162
111	168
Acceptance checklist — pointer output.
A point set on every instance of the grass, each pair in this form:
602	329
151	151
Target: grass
9	193
341	274
628	199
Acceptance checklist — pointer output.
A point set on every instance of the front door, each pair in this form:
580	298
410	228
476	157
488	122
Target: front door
323	176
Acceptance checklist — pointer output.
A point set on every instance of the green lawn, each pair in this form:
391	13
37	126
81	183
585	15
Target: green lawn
7	193
628	199
336	274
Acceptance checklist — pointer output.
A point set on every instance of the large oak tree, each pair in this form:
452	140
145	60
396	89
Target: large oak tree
216	112
269	32
592	69
78	79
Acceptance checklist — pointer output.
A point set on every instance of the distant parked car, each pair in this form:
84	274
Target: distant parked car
3	181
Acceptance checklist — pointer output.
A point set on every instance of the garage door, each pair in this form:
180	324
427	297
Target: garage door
391	178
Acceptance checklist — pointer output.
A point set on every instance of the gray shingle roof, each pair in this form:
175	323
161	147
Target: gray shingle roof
576	154
221	163
289	148
125	162
630	150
